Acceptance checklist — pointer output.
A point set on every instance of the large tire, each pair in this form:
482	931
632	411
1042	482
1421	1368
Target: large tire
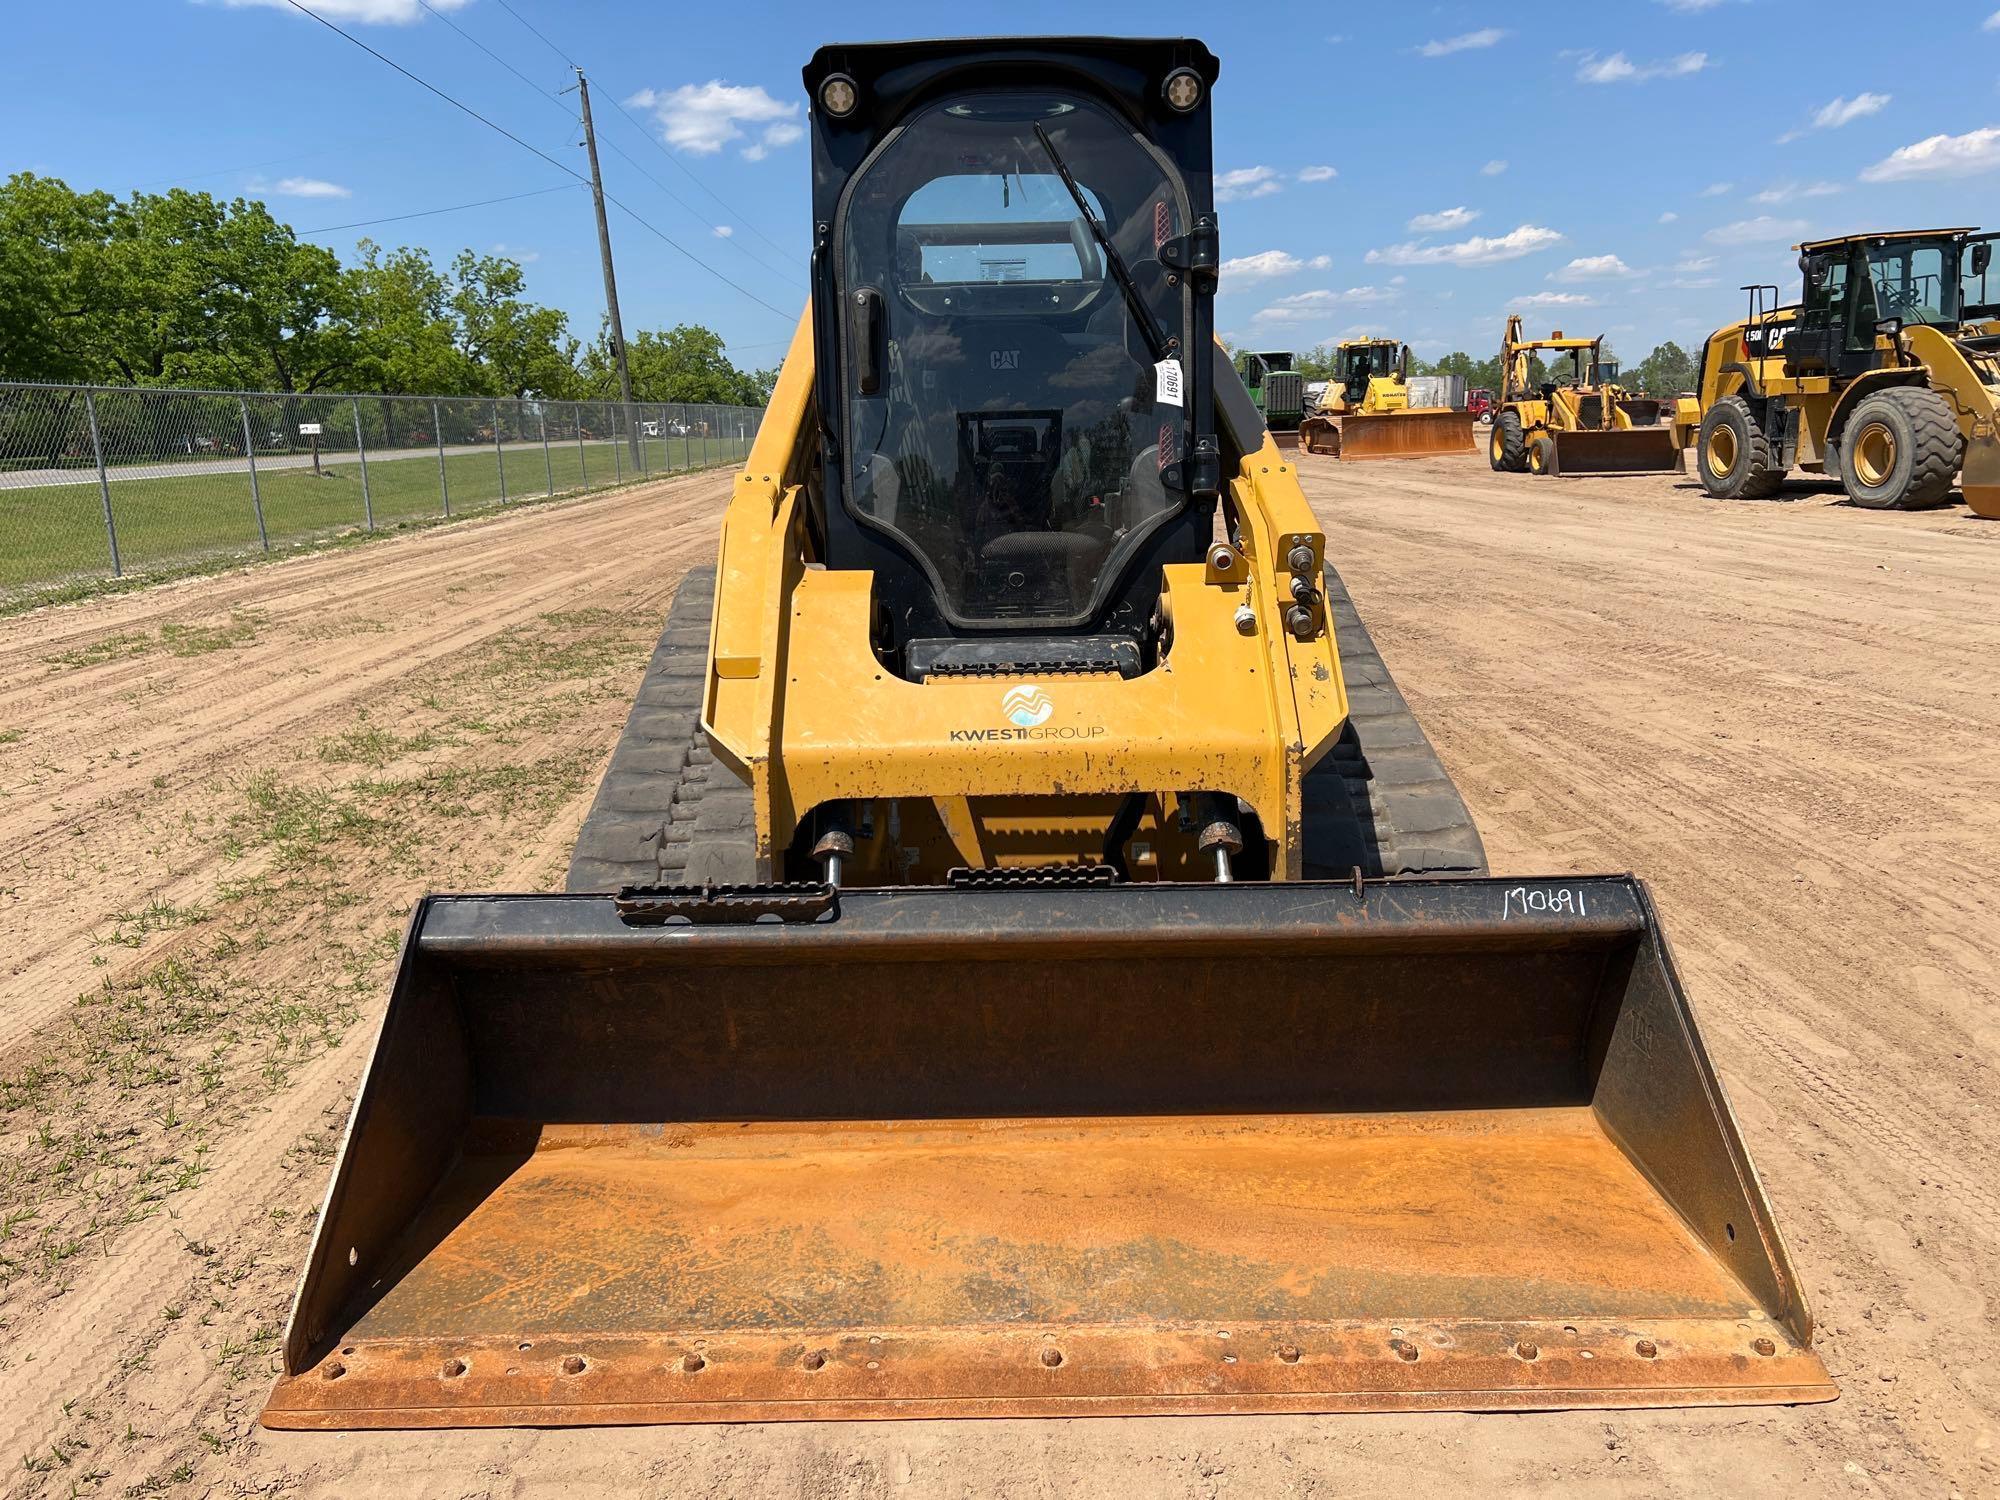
1506	446
668	812
1380	800
1900	450
1733	455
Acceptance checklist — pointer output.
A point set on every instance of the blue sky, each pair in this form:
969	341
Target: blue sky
1416	169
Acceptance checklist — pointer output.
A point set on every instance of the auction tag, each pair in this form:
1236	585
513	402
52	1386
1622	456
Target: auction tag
1167	383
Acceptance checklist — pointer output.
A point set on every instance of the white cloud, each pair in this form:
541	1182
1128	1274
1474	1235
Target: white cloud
1718	189
1618	68
1992	22
1785	192
1668	217
1941	156
1335	40
367	12
1246	182
702	118
724	231
1692	283
308	187
1690	263
1398	280
1757	231
1493	168
1465	42
1445	220
1554	299
1592	268
1317	174
1839	112
1690	7
1267	265
1304	307
1480	250
518	256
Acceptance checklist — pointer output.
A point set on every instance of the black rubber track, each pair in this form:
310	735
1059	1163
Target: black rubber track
668	812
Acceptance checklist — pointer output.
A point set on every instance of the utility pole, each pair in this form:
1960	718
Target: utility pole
604	249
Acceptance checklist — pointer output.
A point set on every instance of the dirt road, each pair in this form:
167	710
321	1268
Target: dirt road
217	801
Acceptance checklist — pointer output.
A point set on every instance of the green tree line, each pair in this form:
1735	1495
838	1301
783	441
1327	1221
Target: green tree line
183	289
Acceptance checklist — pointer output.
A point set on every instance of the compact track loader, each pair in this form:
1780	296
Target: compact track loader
1365	411
1024	957
1886	373
1587	426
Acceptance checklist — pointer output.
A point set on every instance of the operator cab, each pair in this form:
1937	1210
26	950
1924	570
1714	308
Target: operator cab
1012	437
1859	287
1362	362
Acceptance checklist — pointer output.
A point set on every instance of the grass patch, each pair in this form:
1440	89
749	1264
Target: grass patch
120	647
175	638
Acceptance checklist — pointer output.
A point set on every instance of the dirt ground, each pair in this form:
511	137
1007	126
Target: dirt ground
218	800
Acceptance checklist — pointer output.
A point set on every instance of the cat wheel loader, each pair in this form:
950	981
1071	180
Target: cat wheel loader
1024	956
1365	411
1885	373
1588	425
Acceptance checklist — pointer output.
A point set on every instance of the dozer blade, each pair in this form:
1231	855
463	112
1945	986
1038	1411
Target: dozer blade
1416	433
1618	450
1028	1151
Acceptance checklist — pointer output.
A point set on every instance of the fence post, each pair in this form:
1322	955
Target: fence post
617	458
582	458
704	437
361	453
636	419
548	463
444	482
250	455
499	453
103	483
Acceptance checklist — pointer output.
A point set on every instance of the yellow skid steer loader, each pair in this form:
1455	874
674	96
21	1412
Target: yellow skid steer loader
1024	957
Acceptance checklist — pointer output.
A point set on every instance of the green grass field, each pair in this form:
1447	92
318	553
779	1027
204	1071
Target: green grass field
52	534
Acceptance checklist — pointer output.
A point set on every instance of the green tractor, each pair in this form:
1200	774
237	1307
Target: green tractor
1278	390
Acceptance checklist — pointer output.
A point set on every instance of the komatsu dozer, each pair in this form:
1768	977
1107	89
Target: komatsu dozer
1024	957
1582	424
1365	411
1885	373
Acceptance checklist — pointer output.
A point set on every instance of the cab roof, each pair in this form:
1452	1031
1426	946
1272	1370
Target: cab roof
1887	234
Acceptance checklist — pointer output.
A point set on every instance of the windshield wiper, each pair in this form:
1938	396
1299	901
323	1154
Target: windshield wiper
1149	326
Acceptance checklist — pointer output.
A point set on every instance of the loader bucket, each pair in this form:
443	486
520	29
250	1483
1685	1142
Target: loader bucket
1416	433
1979	482
1618	450
1042	1151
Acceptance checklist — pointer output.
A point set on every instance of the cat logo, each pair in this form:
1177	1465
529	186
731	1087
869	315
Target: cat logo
1004	359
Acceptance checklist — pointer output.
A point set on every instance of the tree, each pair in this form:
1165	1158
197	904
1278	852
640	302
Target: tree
1667	371
54	281
524	349
686	363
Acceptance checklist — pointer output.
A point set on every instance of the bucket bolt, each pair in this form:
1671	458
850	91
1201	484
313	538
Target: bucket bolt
1302	618
836	840
1221	834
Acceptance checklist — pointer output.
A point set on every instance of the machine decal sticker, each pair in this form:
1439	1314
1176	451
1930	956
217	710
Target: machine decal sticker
1027	706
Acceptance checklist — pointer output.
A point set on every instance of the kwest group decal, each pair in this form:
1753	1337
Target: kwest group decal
1027	709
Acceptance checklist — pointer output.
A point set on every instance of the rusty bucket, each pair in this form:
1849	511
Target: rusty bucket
1125	1150
1420	432
1618	450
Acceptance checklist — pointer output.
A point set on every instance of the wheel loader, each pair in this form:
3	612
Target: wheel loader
1365	411
1584	424
1885	373
1024	957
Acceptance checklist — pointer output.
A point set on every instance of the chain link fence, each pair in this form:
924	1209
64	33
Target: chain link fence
104	482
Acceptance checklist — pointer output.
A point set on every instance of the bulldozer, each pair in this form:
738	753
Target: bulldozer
1365	411
1885	373
1582	424
1024	957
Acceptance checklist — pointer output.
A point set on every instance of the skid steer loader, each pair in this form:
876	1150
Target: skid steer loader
1588	426
1885	373
1024	957
1365	411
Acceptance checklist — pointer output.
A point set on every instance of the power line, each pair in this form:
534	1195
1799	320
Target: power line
744	249
545	93
563	167
561	187
654	142
544	40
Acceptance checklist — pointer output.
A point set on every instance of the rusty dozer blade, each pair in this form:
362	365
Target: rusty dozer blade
1420	432
1026	1151
1618	450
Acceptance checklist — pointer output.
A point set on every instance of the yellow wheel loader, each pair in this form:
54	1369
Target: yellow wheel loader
1024	957
1365	411
1885	373
1584	424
